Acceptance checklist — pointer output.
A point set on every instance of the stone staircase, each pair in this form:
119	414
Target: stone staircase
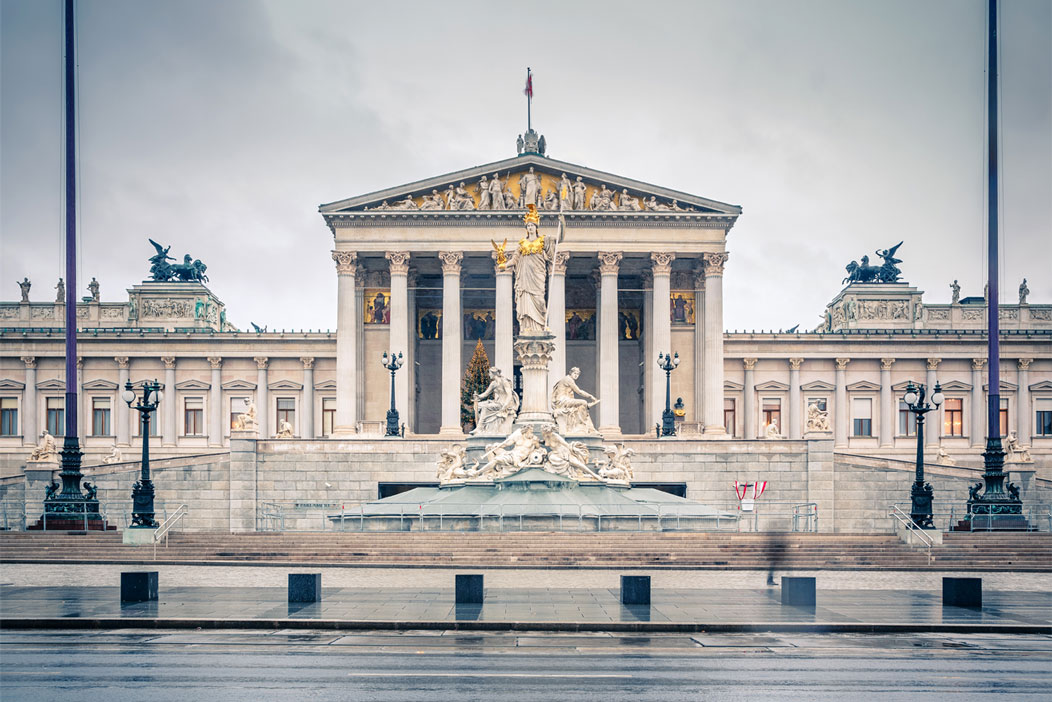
1026	552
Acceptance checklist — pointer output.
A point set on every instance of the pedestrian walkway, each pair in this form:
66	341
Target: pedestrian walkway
522	609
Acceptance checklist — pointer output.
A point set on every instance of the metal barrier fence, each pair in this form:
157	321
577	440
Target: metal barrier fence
13	516
1038	518
767	516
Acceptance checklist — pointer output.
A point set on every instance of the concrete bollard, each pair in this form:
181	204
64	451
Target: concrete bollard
304	587
962	592
798	591
469	589
635	589
139	586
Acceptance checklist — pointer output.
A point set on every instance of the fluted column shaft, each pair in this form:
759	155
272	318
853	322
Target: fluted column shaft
713	367
1023	405
347	320
661	325
699	348
842	415
749	398
933	427
503	323
215	403
399	330
262	397
307	411
609	380
29	411
978	408
887	404
169	404
556	318
123	420
451	342
795	402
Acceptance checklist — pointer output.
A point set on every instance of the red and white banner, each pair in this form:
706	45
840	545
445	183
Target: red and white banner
529	85
742	489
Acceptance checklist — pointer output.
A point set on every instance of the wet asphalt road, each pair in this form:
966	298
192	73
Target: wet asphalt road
231	666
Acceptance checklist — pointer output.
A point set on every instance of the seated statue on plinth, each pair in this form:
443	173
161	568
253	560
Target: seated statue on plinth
45	450
495	407
285	430
1014	451
246	421
817	418
565	458
771	431
571	413
114	457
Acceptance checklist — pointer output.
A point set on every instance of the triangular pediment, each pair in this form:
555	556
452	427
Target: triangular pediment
51	384
7	384
285	385
1043	385
956	385
771	386
1005	386
625	194
325	385
239	385
863	385
732	386
100	384
818	385
192	385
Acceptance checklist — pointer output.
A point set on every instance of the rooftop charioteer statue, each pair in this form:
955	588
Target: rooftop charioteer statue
532	261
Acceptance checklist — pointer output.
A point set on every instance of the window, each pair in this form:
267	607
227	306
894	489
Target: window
56	416
953	417
820	401
100	416
286	411
907	420
862	416
772	412
238	406
193	416
8	416
1004	416
728	415
1043	416
328	415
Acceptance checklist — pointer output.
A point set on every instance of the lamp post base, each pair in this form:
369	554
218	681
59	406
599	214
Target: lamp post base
921	498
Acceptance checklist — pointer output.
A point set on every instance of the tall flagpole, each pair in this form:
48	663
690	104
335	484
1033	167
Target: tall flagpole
529	99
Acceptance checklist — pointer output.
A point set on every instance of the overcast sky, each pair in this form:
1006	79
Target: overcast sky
219	126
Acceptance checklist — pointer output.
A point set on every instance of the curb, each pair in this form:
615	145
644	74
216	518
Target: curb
28	623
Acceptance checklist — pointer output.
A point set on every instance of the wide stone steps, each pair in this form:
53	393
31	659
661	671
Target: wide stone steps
1026	552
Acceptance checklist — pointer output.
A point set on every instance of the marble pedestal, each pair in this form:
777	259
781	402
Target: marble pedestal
535	354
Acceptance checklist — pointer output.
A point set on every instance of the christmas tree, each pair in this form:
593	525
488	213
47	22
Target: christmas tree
476	379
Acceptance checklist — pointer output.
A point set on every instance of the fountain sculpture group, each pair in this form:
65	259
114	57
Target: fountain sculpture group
556	437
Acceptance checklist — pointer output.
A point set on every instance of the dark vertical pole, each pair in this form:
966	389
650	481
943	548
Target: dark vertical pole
71	233
529	99
993	430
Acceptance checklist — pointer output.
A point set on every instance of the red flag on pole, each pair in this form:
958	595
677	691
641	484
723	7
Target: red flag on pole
529	85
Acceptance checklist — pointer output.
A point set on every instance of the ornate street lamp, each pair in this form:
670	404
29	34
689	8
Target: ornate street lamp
392	363
921	493
142	491
668	364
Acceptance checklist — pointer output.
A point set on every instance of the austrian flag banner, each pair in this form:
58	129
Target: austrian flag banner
528	92
742	489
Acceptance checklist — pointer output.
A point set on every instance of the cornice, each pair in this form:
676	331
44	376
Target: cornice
513	218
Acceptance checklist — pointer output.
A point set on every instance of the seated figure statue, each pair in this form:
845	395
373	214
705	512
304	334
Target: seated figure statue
285	430
565	458
571	413
817	418
1014	451
114	457
520	450
246	421
496	406
617	464
45	450
771	431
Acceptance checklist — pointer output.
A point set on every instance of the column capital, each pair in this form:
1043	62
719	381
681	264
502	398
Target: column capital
609	262
261	362
749	363
714	263
216	362
795	363
31	361
661	262
933	363
345	262
886	363
168	361
308	362
399	262
1024	363
122	361
450	262
559	262
841	363
977	364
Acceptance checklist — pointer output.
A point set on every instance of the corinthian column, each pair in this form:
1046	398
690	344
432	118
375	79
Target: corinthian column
609	382
168	402
887	404
840	416
795	404
347	320
215	402
557	318
661	329
451	342
399	330
978	408
262	396
307	412
29	420
123	420
713	405
502	339
1022	410
697	411
933	427
749	397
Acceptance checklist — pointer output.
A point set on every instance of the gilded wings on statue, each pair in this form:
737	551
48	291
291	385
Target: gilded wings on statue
502	258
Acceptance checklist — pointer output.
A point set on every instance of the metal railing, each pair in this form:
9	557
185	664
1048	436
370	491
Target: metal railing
765	516
166	526
1038	518
913	530
14	516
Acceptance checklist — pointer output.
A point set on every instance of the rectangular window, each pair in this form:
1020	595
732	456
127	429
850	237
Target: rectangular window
8	416
907	420
953	417
56	416
772	413
728	415
286	411
328	415
862	416
193	416
100	416
1004	416
238	406
1043	417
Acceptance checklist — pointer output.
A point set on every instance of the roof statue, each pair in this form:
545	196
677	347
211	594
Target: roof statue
888	272
189	271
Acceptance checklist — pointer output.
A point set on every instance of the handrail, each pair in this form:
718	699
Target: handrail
166	527
912	528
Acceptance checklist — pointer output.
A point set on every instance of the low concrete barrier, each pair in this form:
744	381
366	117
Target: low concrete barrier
798	591
469	589
962	592
635	589
139	586
304	587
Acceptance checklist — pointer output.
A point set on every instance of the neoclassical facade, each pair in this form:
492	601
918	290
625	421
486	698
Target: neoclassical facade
639	273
